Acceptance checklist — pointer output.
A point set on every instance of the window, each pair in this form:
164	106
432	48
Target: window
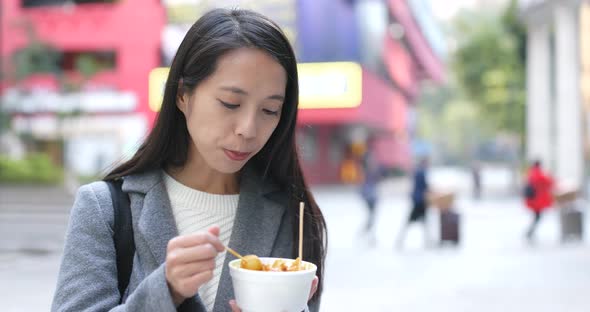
88	60
42	58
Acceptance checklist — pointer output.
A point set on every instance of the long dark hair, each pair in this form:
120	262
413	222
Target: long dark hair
214	34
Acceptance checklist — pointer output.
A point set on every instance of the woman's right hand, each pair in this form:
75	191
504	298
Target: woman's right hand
190	261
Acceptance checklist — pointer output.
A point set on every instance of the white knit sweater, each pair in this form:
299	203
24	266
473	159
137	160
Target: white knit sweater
196	211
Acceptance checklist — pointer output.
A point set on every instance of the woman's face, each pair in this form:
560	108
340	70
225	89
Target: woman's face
232	113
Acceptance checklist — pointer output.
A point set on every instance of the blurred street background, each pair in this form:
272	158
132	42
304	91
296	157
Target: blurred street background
480	88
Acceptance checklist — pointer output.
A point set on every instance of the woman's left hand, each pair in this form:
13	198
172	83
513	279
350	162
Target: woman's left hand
314	288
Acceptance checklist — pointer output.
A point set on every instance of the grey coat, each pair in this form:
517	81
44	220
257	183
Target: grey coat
88	274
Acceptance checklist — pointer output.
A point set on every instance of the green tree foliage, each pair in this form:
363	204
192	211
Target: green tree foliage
35	168
451	122
36	57
489	65
39	56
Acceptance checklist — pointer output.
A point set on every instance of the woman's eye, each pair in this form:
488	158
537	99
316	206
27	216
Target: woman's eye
270	112
229	105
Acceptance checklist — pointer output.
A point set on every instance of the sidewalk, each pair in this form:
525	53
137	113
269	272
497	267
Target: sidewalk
494	269
34	199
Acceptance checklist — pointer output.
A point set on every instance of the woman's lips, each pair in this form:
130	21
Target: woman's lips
237	156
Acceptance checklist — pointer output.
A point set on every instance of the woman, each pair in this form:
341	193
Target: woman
419	198
539	197
220	168
372	175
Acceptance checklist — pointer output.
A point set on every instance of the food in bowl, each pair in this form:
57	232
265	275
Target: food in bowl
252	262
273	290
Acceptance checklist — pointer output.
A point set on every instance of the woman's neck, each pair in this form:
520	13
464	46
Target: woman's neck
202	178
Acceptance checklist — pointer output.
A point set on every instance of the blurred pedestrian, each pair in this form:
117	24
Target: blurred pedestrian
220	162
350	168
476	177
538	194
419	199
372	174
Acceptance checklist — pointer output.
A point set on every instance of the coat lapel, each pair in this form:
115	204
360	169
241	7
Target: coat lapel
156	223
256	226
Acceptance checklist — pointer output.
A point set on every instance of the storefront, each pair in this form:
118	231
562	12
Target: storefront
108	108
341	105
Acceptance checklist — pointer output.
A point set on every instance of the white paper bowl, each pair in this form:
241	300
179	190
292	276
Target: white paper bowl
260	291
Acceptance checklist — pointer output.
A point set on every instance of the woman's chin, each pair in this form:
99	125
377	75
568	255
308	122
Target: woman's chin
230	168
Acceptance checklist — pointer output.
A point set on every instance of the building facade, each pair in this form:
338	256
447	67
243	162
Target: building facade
378	51
109	114
389	43
557	74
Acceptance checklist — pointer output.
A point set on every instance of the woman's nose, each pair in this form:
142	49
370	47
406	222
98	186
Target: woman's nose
246	126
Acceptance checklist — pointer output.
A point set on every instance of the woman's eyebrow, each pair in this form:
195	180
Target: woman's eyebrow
235	90
239	91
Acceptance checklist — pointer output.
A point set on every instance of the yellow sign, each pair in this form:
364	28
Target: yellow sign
157	83
321	85
330	85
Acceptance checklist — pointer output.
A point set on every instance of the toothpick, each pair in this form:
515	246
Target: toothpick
301	206
233	252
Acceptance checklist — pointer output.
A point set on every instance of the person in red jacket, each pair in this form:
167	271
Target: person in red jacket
538	194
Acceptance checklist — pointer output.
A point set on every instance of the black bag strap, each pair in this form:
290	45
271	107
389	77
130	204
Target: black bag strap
123	236
125	244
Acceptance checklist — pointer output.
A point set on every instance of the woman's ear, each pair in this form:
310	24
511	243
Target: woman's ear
182	102
181	97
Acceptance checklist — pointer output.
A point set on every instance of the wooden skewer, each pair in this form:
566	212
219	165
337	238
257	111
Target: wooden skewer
301	206
233	252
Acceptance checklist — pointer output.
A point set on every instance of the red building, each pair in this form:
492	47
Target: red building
125	33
